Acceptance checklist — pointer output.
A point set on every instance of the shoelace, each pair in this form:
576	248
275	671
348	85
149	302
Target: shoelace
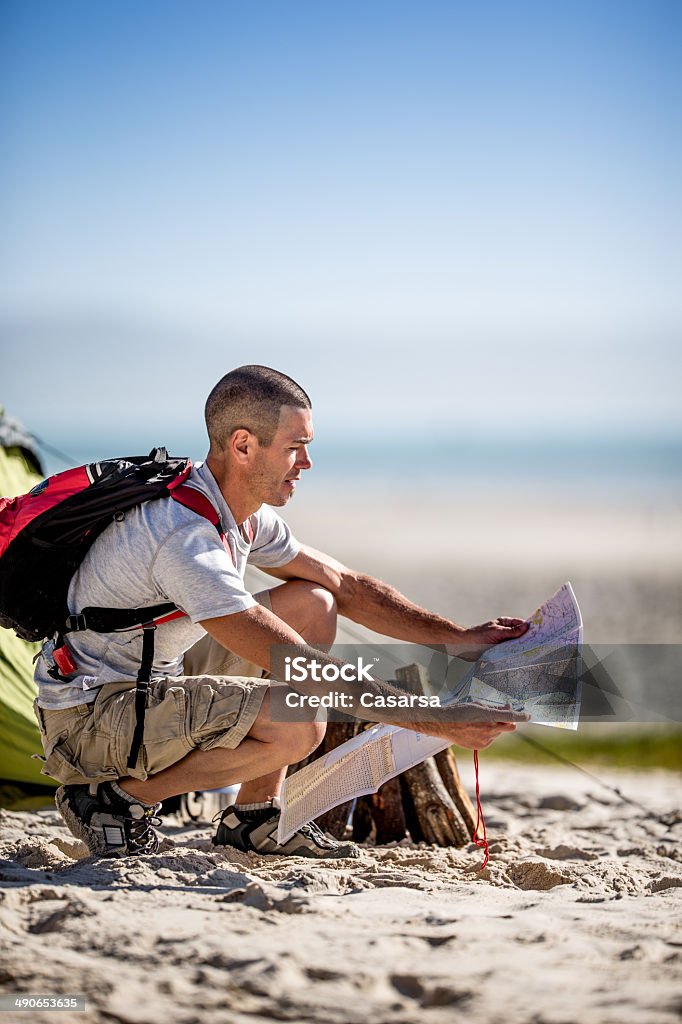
140	831
312	831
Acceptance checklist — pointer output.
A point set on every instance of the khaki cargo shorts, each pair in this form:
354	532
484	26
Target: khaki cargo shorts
214	706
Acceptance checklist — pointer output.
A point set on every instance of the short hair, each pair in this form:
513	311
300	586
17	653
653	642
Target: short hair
250	398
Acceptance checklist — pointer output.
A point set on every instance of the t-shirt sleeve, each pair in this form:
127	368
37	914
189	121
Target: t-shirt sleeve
273	544
195	572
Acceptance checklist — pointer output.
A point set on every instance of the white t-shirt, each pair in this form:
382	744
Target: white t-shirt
162	551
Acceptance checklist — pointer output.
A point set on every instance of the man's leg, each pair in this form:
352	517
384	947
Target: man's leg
252	823
260	761
311	611
268	744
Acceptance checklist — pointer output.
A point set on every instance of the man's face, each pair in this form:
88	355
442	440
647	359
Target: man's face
278	466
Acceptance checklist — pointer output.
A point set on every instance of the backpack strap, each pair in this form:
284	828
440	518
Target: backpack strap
141	690
110	620
197	502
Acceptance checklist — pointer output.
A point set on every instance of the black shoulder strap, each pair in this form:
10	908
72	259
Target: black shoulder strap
110	620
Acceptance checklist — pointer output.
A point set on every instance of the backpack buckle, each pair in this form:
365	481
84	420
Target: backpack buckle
76	623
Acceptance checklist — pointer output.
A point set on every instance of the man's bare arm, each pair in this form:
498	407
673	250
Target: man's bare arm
252	633
381	607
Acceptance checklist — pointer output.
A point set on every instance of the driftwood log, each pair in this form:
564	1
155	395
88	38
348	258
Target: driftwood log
427	801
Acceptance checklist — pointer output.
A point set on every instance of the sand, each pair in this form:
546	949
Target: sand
576	919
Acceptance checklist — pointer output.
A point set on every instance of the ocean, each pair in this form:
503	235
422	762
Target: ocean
649	468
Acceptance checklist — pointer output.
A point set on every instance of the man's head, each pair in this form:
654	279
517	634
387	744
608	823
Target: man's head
259	424
250	397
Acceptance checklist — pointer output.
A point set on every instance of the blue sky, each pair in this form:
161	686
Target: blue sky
439	217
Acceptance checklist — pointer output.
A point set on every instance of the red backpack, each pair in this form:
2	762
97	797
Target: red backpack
45	535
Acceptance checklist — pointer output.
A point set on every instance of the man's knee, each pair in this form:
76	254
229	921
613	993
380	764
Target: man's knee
309	607
325	610
303	739
309	595
295	740
323	598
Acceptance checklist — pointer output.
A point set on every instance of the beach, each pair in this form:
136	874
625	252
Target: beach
575	919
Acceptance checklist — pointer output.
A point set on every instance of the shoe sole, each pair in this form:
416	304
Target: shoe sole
343	853
349	853
95	838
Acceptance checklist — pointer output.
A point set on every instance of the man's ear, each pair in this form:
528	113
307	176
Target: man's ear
242	445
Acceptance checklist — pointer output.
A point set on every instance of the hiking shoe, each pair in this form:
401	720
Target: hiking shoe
108	825
256	832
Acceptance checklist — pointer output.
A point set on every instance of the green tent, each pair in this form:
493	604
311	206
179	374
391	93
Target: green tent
21	783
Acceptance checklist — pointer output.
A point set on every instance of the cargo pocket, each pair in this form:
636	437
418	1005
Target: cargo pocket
74	750
165	736
223	711
70	768
55	763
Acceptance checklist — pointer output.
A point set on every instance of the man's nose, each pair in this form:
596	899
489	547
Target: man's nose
303	461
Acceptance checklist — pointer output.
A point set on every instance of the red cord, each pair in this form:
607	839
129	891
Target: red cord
480	841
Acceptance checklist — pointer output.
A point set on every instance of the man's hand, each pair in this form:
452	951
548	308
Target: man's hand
478	735
477	639
472	725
